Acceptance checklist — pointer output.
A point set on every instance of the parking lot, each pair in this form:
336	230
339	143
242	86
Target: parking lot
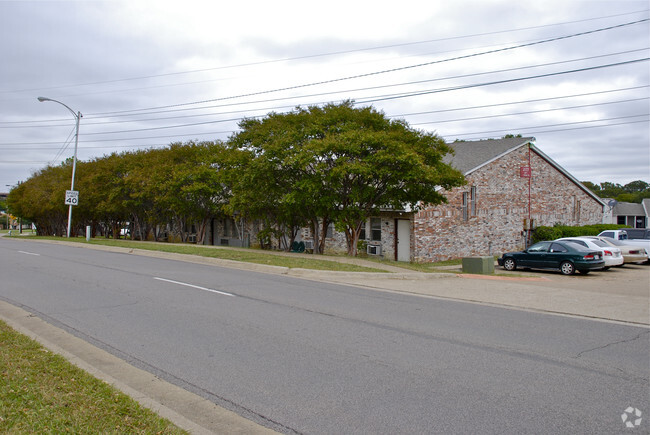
620	294
627	280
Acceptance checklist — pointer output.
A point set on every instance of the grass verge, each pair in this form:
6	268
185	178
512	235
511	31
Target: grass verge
245	255
41	392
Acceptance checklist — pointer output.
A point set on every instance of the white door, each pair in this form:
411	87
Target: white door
403	240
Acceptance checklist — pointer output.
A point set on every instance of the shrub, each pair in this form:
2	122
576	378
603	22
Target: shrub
558	231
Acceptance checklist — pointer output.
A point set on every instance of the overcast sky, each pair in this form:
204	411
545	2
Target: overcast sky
573	74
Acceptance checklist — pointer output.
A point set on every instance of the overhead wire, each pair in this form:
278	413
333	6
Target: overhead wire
334	53
12	124
402	95
419	65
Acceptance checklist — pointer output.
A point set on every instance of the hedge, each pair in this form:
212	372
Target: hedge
558	231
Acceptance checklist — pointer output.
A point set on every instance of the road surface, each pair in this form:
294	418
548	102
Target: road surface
300	356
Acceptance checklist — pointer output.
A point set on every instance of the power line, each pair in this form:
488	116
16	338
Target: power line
393	97
497	82
311	56
500	50
552	125
360	89
582	106
485	106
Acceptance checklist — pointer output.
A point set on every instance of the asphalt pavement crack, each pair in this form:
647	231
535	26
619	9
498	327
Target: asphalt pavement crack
629	340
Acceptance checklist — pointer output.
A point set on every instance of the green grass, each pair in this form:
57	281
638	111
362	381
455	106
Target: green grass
40	392
236	254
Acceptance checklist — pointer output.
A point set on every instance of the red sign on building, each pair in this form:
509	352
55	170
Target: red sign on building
524	172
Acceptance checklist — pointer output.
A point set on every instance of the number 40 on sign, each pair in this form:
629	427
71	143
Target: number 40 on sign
71	197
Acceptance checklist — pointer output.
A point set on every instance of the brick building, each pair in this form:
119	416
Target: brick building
510	183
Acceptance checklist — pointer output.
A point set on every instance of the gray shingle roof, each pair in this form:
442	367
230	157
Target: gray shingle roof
628	209
472	154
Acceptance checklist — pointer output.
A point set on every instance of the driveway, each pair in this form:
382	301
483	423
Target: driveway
619	294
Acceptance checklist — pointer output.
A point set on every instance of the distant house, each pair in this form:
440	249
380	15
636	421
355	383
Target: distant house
512	186
631	214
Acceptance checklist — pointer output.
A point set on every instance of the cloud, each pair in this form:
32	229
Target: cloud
134	68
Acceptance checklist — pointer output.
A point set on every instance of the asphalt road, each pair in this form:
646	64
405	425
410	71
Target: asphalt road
300	356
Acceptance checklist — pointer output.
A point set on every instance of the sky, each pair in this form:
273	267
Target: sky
573	74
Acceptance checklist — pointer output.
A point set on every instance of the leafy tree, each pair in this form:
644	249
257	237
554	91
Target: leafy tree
41	199
636	186
634	191
343	164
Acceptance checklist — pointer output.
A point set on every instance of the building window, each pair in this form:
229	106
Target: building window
473	208
330	231
362	234
465	214
621	220
375	229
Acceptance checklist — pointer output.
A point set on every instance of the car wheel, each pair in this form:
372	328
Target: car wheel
567	268
509	264
605	268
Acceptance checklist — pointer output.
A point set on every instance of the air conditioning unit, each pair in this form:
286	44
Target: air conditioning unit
374	250
309	244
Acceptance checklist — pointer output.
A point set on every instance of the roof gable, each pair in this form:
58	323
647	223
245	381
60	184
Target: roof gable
471	155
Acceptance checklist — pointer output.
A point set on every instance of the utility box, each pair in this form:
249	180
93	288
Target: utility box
478	265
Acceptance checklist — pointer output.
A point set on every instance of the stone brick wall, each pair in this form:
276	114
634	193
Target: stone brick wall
502	204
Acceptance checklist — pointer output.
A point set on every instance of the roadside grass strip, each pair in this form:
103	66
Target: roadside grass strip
41	392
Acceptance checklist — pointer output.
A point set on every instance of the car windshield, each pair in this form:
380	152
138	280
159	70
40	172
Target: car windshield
611	241
600	243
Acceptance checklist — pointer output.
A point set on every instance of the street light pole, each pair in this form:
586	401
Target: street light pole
77	116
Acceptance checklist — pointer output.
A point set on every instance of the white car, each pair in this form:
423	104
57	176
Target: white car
631	253
611	254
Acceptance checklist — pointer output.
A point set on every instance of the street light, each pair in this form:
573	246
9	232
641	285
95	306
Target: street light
77	116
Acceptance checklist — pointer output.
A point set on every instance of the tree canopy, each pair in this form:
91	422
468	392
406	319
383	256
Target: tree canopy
311	167
634	191
339	164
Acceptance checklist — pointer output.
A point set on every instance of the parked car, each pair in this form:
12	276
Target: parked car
563	256
636	236
631	253
611	254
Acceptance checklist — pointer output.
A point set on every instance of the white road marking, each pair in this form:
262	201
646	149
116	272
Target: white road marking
29	253
194	286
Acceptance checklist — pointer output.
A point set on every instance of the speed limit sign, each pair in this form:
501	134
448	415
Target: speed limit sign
71	197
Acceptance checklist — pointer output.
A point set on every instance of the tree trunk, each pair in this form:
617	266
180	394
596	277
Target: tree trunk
324	225
352	238
315	233
200	236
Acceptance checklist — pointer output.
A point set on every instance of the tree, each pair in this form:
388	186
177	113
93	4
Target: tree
634	191
343	164
41	199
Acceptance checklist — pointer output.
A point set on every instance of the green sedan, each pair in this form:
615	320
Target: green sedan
566	257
